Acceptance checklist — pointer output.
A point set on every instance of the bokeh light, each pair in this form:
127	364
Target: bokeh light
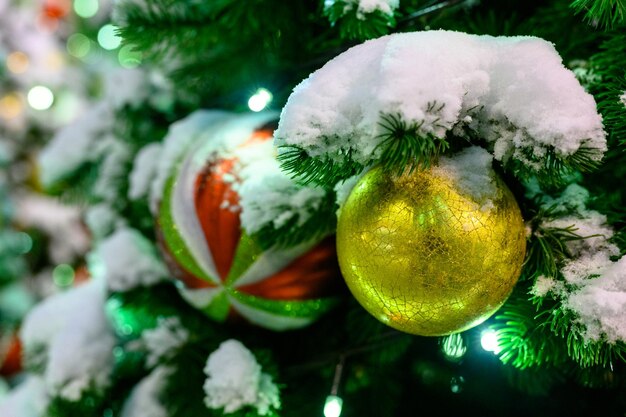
40	97
489	341
17	62
128	57
456	384
24	242
260	100
63	275
11	106
107	38
86	8
78	45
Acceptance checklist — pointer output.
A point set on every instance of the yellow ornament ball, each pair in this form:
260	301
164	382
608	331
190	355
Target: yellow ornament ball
423	256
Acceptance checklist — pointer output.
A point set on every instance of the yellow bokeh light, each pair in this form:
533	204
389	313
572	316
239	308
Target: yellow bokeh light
54	61
11	106
17	62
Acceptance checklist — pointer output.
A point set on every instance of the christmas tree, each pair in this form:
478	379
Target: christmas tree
348	207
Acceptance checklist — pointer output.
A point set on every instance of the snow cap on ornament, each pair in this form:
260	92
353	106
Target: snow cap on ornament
510	95
231	224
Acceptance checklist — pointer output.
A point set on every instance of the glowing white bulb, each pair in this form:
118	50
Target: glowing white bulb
489	341
260	99
40	97
333	406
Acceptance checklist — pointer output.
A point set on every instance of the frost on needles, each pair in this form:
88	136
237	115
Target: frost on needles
511	95
590	283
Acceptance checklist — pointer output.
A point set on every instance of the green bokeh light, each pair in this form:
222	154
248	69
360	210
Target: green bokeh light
24	242
107	38
128	57
78	45
453	346
63	275
86	8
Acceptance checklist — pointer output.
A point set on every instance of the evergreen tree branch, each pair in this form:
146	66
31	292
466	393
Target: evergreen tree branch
547	246
429	9
404	148
607	13
321	223
609	64
526	341
324	172
555	169
353	26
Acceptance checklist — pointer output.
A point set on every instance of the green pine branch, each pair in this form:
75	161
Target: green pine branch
585	353
547	246
525	338
76	188
321	223
183	395
91	403
606	13
555	170
209	46
404	147
354	27
533	334
609	65
159	27
323	172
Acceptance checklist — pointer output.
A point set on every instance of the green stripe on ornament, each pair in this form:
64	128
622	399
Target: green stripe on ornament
289	308
247	253
218	307
173	239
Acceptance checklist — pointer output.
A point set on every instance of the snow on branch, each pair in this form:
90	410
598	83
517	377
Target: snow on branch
510	94
68	326
234	381
591	283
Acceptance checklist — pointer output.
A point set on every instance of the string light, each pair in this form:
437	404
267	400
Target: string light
489	341
453	347
107	38
40	97
260	100
334	404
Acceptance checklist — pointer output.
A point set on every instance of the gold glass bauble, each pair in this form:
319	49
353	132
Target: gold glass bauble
421	256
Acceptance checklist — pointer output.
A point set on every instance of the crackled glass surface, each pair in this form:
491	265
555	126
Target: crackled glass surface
422	257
